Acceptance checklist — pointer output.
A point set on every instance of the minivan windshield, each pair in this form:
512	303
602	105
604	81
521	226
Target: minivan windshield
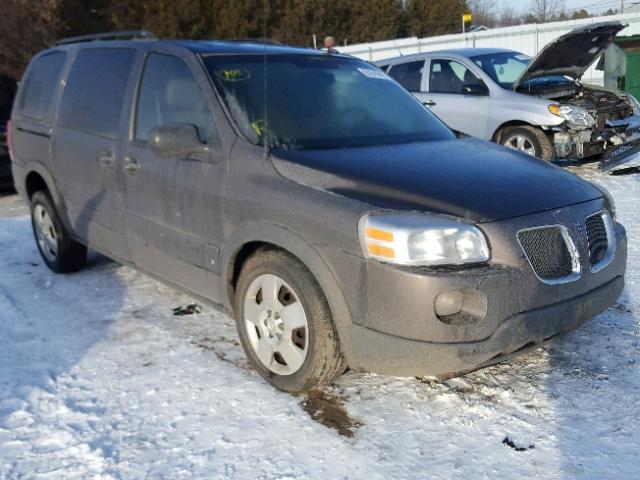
297	101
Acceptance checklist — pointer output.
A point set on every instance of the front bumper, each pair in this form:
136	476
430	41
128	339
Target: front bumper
396	329
391	355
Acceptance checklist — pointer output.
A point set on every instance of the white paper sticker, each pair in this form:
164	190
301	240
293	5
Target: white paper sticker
373	73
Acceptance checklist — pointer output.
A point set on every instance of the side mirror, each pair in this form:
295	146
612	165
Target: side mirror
177	140
478	89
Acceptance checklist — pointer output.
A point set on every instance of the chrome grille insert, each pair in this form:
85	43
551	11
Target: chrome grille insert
601	238
551	253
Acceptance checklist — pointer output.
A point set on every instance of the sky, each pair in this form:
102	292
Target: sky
592	6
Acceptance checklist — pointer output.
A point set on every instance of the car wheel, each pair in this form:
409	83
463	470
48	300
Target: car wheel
58	250
285	324
530	140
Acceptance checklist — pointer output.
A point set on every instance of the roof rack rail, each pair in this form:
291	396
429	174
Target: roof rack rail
267	41
128	35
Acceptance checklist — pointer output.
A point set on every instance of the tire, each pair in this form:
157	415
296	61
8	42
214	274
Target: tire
59	251
539	141
261	326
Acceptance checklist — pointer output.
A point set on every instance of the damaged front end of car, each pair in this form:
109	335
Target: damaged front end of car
595	120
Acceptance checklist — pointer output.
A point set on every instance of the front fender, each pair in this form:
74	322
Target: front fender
307	253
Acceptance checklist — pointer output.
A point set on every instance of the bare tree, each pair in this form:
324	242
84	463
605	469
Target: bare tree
483	12
544	10
509	17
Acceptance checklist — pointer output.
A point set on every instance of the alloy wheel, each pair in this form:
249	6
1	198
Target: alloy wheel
520	143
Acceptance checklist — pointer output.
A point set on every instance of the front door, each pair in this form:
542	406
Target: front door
446	98
174	205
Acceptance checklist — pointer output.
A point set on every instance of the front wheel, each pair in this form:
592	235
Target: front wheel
285	324
59	251
529	140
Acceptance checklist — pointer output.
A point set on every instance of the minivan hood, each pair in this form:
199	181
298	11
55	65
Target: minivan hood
571	54
467	178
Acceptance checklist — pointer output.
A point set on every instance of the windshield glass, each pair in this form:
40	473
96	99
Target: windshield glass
503	68
296	101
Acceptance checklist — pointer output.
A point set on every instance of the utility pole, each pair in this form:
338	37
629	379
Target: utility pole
621	6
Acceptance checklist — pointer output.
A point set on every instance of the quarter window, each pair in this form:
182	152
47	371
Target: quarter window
449	76
94	95
168	95
409	75
40	85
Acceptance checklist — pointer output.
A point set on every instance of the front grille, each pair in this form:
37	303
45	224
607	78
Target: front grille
598	238
548	253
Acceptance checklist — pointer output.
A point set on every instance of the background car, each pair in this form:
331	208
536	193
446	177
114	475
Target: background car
7	93
537	106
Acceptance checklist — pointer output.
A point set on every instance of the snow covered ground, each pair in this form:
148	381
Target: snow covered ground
98	379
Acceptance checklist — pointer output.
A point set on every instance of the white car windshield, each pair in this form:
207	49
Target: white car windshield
504	68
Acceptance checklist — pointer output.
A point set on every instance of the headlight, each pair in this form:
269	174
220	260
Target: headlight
634	103
609	202
421	239
577	116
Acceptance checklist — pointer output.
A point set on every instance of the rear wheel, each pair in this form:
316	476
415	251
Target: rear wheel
285	323
529	140
59	251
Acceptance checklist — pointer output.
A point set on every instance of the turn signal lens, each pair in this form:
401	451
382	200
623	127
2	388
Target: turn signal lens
380	251
555	109
379	234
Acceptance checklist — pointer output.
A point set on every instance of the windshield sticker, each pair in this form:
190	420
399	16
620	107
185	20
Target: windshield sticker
234	74
259	127
373	73
523	57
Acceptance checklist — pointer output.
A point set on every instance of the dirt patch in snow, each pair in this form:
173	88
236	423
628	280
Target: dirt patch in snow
329	411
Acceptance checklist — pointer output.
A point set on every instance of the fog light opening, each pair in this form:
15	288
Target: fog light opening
449	303
460	307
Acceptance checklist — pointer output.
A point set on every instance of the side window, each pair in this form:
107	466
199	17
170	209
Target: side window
169	94
409	75
449	76
94	95
40	85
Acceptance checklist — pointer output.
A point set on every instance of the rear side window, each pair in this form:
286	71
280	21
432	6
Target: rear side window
169	94
94	95
409	75
40	85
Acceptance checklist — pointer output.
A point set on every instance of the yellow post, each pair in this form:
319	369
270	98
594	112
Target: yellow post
466	17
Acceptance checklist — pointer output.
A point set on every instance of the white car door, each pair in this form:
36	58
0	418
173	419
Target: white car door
457	96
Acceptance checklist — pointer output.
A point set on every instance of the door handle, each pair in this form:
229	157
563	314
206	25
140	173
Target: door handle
131	165
107	158
429	103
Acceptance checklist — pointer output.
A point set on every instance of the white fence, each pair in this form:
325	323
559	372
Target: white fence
529	39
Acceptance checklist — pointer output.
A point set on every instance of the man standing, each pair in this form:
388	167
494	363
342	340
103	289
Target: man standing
329	42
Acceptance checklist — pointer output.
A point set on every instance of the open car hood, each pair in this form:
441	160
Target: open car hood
572	53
